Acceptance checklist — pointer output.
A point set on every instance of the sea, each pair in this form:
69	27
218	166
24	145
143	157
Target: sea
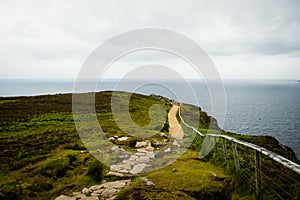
252	107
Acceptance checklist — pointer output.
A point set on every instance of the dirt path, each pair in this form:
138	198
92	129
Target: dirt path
175	128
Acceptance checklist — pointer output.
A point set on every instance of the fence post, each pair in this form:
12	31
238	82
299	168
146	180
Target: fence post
257	158
216	145
224	150
235	156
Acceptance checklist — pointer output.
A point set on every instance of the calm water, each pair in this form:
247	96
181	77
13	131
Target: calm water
253	107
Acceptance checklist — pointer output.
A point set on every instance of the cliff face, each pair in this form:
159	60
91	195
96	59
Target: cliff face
271	144
193	113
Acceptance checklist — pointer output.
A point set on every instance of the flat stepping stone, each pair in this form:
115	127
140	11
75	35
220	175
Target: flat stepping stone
119	174
141	144
63	197
83	197
150	148
138	168
128	165
142	150
98	191
96	187
115	168
123	138
109	192
133	157
151	155
143	159
140	154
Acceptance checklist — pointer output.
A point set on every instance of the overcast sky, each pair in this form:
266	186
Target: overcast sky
245	39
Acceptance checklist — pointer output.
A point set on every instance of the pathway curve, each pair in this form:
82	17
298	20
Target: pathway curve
139	161
175	129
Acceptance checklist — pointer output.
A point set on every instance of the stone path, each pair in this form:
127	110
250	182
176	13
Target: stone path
106	190
131	166
136	163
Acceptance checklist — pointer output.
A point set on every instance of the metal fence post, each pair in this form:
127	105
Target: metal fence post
257	158
224	150
235	156
216	145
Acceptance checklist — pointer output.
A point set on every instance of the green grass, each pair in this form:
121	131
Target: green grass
187	178
276	177
40	148
58	172
7	101
41	154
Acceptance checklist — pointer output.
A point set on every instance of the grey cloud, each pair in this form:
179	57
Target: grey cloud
69	30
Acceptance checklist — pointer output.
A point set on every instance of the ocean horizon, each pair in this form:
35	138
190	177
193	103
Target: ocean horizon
253	107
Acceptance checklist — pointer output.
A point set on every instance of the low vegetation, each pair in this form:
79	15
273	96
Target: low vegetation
187	178
277	181
42	156
41	153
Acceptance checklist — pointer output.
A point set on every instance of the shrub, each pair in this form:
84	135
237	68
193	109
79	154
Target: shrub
11	190
40	184
71	157
166	127
95	170
56	168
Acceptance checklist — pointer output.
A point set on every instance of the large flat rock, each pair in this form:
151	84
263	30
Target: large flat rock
138	168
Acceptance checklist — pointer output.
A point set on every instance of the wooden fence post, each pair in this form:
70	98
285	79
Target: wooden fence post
257	158
224	150
235	156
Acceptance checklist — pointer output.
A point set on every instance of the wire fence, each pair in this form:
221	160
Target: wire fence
258	172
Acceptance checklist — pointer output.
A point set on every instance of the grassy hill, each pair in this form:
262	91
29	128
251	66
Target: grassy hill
43	157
